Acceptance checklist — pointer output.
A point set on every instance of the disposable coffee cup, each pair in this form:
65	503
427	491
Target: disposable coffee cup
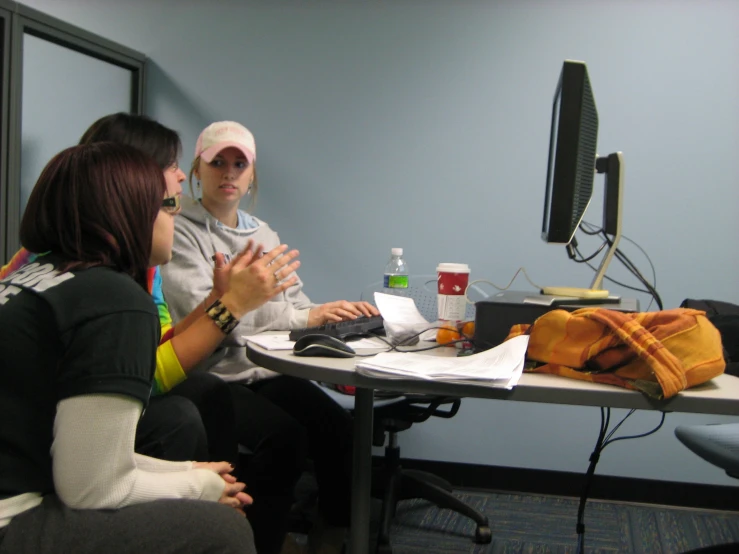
451	285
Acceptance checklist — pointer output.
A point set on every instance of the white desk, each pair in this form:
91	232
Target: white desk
719	396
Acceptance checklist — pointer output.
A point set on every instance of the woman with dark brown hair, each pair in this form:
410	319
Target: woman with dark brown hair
77	357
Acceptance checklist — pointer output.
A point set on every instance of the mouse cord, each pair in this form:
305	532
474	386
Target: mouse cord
408	341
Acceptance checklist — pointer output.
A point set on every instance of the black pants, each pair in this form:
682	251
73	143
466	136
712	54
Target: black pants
194	421
282	421
161	527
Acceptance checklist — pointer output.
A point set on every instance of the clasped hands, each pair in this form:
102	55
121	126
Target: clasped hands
233	494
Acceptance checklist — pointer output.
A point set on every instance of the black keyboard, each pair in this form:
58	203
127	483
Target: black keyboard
343	329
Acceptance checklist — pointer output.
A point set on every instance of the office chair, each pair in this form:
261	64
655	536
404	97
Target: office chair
393	483
400	483
719	445
391	417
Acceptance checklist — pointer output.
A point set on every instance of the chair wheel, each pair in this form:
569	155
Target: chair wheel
483	534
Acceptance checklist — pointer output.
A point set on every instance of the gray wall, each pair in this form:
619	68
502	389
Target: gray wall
425	124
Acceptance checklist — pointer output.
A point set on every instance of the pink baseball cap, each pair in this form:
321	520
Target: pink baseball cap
224	134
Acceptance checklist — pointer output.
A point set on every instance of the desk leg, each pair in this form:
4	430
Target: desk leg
361	472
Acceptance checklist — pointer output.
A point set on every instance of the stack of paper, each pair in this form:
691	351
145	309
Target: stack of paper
501	366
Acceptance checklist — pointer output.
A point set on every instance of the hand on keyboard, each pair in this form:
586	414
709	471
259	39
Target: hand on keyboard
342	329
341	310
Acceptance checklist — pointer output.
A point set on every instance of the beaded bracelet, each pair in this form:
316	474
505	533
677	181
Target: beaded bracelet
222	317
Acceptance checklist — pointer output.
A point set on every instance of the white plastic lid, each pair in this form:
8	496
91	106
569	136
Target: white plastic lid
453	268
397	251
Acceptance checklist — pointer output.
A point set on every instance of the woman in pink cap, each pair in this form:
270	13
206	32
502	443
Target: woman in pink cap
282	419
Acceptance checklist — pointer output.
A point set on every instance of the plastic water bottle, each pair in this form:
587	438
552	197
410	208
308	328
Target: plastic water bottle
396	271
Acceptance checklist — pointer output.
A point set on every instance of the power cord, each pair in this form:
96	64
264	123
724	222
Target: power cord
410	340
519	270
603	441
590	229
574	253
636	289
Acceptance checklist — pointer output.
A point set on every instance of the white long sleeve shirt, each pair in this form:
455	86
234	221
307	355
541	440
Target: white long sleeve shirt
95	466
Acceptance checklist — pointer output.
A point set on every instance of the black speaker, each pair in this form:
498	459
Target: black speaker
495	316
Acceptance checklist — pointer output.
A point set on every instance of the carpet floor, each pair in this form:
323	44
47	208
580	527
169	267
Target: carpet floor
540	524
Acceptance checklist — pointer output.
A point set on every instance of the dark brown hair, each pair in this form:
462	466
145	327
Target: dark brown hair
95	204
145	134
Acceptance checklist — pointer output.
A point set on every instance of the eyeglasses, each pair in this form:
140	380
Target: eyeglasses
171	204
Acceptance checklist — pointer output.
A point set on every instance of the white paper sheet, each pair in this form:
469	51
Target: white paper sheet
401	317
399	309
501	366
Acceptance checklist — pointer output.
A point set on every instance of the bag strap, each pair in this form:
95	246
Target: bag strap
666	366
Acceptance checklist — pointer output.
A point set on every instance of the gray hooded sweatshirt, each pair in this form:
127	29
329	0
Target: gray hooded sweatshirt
188	279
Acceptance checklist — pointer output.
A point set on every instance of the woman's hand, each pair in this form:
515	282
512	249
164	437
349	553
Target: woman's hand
221	468
232	495
222	269
340	310
254	279
222	272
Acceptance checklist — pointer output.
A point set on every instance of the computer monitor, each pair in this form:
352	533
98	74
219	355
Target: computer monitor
573	162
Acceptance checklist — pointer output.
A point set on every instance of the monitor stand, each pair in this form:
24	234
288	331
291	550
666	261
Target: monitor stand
555	296
575	293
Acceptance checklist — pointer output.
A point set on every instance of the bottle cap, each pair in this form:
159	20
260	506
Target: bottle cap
397	251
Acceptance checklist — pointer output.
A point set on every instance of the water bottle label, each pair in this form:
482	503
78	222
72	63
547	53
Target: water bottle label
396	282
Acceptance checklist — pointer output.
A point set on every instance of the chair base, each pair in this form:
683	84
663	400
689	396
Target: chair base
405	484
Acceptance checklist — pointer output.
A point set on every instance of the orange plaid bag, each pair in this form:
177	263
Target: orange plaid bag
658	353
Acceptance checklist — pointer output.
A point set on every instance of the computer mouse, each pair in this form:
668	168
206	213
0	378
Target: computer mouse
322	345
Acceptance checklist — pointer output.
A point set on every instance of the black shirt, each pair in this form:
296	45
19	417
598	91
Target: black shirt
62	335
